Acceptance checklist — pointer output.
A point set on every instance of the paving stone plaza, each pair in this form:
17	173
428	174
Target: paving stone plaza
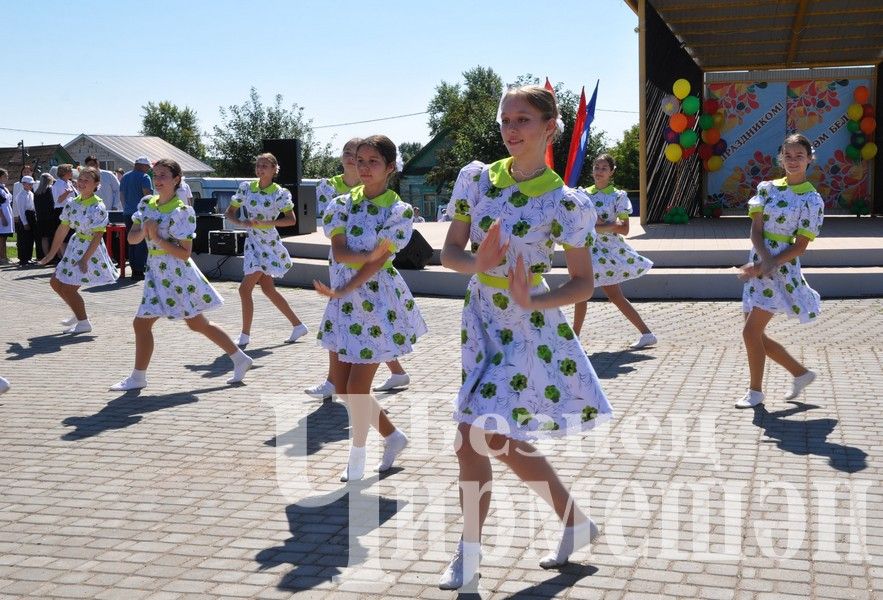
195	489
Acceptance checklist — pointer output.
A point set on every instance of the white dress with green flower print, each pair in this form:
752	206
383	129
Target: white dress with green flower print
173	288
327	190
86	218
525	374
788	211
613	260
264	250
379	321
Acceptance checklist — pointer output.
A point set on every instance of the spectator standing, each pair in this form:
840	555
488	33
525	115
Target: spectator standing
109	190
135	185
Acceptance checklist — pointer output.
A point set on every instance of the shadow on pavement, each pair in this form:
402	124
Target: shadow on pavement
567	577
808	437
327	424
223	365
610	365
46	344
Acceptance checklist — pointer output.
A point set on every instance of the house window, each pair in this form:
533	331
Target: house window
107	165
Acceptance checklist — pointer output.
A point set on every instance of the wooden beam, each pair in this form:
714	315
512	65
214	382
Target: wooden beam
814	39
778	65
697	6
642	117
766	17
796	30
829	51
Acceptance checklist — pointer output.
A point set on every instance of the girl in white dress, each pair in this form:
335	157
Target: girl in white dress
786	215
371	315
525	375
174	287
265	255
85	261
613	260
326	191
7	227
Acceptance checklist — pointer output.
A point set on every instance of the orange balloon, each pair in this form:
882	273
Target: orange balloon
861	94
711	136
868	125
678	122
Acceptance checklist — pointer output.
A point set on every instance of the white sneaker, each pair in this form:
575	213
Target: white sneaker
395	381
80	327
750	399
453	576
240	368
243	340
800	382
393	444
129	383
297	333
355	468
646	339
322	391
4	385
572	539
69	321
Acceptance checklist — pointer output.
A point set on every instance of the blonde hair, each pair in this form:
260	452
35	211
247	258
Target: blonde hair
540	98
65	169
267	156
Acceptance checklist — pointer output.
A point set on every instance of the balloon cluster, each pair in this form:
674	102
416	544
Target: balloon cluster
683	141
675	215
712	209
861	125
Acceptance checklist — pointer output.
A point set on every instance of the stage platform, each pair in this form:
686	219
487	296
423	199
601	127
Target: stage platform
697	260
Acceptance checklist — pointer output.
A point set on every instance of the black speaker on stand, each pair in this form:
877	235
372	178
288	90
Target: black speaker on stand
288	153
204	224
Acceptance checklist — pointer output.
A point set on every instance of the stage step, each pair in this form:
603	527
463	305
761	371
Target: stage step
701	283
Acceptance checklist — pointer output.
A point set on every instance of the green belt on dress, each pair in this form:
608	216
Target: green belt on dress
85	236
271	226
156	252
502	283
778	237
357	266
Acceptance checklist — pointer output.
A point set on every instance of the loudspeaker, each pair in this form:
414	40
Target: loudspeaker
415	255
288	153
226	243
204	224
116	217
204	206
304	198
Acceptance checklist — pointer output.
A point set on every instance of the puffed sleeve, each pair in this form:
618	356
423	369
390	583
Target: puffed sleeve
66	213
756	204
335	216
398	226
183	225
97	218
284	202
622	206
574	223
138	215
812	213
241	195
465	192
324	194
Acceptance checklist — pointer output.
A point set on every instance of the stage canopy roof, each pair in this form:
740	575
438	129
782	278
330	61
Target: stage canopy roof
766	34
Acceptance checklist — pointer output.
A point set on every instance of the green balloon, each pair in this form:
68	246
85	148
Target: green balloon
853	152
706	122
689	138
853	126
690	105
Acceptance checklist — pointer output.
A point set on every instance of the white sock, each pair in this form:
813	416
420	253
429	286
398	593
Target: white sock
138	375
471	558
572	539
355	468
238	357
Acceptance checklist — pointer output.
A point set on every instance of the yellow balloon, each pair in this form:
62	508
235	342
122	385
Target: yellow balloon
714	163
869	151
717	119
674	152
681	88
855	112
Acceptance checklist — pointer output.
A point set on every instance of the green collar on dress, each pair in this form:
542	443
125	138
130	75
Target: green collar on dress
168	207
800	188
593	189
93	199
384	200
339	184
543	183
270	189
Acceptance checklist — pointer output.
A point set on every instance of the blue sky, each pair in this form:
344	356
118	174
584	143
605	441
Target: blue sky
95	63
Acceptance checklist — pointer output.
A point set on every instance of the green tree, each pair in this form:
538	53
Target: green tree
625	153
468	113
178	126
243	127
409	149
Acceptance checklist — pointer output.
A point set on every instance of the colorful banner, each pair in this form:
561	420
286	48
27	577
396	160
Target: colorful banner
760	115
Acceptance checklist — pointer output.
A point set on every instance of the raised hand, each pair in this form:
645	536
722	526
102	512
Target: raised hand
324	290
519	284
490	253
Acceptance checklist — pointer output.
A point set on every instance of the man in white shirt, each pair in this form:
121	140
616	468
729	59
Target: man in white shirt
109	190
25	220
183	192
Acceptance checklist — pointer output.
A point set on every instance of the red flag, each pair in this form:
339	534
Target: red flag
550	157
578	126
